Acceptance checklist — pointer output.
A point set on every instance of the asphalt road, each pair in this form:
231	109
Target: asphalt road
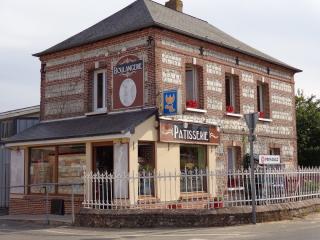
307	228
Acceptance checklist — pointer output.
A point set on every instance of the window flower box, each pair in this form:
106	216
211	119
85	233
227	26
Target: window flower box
261	115
230	109
192	104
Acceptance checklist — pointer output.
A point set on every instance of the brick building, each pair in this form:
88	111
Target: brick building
151	87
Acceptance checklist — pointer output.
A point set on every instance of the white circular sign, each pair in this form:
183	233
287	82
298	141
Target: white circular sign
127	92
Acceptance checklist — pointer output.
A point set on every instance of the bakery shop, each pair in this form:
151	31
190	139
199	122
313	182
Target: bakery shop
149	89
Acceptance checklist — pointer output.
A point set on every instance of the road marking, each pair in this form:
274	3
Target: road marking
102	234
196	234
67	233
196	239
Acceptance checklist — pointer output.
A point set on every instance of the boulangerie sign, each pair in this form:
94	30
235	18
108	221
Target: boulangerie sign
183	132
128	83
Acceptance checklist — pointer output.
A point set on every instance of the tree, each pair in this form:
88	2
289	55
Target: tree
308	129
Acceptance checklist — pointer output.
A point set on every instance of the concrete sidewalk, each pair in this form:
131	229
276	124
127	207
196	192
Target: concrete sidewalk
41	219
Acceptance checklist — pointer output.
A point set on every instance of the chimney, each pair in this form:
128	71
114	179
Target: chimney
175	5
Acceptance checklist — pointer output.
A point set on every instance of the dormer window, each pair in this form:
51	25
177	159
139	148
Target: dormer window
99	91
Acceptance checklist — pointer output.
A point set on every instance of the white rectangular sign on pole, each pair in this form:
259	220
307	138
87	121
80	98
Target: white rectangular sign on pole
269	159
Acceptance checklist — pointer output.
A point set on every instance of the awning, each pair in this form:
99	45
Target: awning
98	125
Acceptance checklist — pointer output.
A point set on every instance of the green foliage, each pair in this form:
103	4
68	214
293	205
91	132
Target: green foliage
308	129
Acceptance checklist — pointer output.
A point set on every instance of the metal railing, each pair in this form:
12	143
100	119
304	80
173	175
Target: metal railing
198	188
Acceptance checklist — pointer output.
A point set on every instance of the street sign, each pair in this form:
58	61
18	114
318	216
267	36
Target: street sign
269	159
251	120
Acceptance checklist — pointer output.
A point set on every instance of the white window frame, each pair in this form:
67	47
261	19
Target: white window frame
95	92
195	81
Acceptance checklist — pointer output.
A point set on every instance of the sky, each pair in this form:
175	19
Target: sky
288	30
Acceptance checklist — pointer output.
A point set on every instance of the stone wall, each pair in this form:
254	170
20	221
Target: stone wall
193	218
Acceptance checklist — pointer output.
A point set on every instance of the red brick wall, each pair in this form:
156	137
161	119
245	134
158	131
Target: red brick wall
35	204
86	66
279	131
235	135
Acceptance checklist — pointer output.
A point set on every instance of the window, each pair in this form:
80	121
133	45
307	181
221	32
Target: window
42	168
63	165
193	160
275	151
146	157
232	94
233	155
233	158
7	129
192	90
71	163
146	162
263	100
99	91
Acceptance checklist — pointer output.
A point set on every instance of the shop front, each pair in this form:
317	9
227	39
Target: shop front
54	157
187	150
144	161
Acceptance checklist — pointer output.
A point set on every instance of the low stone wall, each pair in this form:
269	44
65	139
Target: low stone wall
193	218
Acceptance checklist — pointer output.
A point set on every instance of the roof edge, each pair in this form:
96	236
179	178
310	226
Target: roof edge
151	112
71	139
156	24
20	112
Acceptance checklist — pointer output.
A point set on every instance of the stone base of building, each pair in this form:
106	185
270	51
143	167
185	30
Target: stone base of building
193	218
34	204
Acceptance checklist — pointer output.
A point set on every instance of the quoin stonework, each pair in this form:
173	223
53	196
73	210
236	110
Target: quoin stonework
151	87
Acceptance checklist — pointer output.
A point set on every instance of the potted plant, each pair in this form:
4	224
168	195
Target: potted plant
217	202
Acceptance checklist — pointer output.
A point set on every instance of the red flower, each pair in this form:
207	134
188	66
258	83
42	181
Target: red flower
230	109
192	104
261	115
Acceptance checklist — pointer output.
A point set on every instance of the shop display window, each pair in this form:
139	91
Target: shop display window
193	164
62	165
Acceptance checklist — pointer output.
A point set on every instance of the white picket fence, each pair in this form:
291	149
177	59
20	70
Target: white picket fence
198	188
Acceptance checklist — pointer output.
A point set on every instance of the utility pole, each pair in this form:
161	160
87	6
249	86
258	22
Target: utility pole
251	120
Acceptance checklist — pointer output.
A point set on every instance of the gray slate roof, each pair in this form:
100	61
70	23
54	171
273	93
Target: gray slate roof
98	125
146	13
